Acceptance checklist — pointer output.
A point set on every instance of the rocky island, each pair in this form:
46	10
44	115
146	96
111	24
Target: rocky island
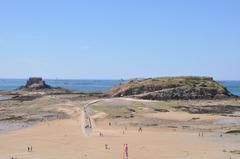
35	83
166	88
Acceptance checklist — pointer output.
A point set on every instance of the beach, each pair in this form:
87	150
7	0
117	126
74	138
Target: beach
174	136
64	139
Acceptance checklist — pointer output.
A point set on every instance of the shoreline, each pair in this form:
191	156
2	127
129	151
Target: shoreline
85	84
4	97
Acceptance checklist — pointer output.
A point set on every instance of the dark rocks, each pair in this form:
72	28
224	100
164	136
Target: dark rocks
35	83
160	110
183	93
12	117
25	97
212	109
233	132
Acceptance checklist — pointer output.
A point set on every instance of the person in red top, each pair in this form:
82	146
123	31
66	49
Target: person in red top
125	151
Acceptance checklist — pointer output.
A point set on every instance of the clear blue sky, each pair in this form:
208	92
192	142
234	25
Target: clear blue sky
119	38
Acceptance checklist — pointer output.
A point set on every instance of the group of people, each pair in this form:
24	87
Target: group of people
125	146
29	149
200	133
107	147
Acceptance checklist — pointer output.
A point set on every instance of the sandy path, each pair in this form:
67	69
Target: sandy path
87	122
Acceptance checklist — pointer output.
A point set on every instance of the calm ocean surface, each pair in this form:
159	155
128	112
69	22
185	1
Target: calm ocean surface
93	85
83	85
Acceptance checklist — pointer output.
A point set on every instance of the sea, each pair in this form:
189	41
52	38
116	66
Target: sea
72	84
93	85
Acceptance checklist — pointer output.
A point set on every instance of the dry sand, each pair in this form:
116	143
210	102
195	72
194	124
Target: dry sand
64	139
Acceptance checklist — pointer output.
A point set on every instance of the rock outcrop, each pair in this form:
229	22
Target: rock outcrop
186	87
35	83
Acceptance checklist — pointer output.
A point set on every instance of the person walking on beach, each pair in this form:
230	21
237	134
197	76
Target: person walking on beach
140	129
30	149
125	151
106	146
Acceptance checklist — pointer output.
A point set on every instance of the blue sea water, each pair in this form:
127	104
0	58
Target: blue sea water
232	86
82	85
93	85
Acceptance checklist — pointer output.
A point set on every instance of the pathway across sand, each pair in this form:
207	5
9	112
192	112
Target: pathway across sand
87	123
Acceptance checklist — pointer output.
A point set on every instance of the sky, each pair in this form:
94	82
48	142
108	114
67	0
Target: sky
119	39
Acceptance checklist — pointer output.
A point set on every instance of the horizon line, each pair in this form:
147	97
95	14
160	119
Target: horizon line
22	78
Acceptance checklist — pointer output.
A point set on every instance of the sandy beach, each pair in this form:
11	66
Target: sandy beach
71	139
